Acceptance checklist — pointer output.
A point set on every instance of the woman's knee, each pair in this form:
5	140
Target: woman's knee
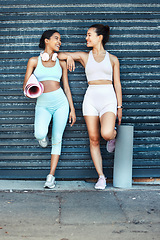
56	148
107	134
39	134
94	141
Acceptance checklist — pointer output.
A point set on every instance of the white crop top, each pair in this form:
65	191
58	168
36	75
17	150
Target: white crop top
98	71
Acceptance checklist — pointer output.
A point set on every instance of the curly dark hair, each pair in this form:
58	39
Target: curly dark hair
47	34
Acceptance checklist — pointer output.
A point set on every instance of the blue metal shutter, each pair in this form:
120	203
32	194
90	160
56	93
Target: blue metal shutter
135	35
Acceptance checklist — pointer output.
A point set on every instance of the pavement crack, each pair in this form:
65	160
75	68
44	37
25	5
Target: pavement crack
120	205
60	210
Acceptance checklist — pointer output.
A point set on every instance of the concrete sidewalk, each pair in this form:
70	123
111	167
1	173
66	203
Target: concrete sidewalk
69	185
75	211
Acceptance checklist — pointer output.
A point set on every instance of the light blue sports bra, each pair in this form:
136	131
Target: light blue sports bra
48	73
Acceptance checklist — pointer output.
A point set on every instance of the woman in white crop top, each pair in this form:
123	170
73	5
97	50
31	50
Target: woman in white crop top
103	99
53	103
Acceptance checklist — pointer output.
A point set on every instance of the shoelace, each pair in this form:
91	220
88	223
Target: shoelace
101	178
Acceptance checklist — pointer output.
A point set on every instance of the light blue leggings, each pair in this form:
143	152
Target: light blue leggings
52	104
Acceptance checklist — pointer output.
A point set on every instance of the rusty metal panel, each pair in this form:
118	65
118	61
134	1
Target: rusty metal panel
135	35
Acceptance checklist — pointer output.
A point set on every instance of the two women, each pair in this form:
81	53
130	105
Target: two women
54	102
103	99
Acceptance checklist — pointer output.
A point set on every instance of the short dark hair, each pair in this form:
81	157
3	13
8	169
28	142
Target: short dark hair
102	30
47	34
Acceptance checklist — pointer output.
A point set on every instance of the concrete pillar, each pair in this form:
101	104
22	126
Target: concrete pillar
123	157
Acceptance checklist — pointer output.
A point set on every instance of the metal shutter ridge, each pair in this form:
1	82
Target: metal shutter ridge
134	39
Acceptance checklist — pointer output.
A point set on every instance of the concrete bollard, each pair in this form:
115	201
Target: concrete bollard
123	157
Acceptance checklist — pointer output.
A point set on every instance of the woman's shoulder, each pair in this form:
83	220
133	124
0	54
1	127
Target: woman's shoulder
114	58
84	57
33	61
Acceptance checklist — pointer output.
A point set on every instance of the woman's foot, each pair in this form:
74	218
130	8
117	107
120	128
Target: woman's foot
44	142
101	183
50	181
111	145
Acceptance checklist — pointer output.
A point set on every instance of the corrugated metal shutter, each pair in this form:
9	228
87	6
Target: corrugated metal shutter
135	34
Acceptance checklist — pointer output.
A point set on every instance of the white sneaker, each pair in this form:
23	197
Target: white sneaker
44	142
101	184
50	181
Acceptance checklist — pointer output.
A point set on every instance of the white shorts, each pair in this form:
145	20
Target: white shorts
99	99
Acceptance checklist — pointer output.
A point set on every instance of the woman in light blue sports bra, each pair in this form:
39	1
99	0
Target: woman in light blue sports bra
53	102
103	99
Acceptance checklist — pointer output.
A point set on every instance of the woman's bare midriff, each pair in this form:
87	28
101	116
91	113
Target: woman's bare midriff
50	85
100	82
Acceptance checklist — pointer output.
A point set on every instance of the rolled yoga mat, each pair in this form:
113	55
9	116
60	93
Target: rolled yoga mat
123	157
33	88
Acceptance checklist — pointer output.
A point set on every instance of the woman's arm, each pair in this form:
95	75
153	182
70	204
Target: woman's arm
72	115
117	86
32	63
70	57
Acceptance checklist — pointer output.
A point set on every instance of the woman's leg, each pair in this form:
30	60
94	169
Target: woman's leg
60	118
41	123
107	121
108	131
54	162
93	127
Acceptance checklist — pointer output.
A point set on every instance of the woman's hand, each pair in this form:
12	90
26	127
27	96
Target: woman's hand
72	117
119	115
70	64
